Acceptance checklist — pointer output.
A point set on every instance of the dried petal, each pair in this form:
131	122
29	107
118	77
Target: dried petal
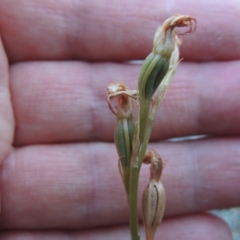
153	158
124	98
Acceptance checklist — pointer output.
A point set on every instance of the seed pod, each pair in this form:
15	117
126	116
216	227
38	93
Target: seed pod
153	201
153	71
123	139
125	125
153	204
124	130
156	65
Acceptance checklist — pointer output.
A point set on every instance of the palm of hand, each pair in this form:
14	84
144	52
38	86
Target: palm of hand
59	165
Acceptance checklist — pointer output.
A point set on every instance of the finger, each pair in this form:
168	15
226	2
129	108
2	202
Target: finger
185	228
75	185
59	102
118	31
6	114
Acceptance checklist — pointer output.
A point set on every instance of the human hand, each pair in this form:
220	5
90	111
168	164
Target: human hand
59	176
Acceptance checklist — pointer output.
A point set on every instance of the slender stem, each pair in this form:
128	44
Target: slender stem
144	144
140	143
143	118
133	202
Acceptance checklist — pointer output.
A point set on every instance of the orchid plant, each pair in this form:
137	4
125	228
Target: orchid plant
132	133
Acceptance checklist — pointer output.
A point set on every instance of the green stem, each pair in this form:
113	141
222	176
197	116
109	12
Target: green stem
143	118
126	181
145	142
139	150
133	202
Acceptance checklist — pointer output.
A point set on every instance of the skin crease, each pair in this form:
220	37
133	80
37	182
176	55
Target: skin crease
59	176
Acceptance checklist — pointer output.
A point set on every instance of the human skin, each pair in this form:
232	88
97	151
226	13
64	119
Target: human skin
59	176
